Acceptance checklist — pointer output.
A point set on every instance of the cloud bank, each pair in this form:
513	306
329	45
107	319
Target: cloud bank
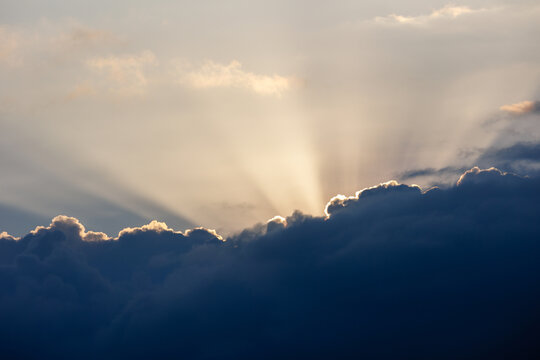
392	272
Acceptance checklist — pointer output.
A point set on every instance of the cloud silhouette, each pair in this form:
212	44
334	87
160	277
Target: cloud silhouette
392	272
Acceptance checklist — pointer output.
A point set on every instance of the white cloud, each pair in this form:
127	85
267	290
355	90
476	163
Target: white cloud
215	75
447	12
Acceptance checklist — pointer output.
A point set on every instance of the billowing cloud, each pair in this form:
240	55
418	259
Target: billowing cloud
215	75
341	201
446	12
159	227
71	228
523	107
439	274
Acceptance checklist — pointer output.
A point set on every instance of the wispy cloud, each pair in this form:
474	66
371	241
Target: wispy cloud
9	42
523	107
447	12
80	36
215	75
81	90
126	74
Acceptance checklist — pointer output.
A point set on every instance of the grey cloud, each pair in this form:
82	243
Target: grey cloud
445	171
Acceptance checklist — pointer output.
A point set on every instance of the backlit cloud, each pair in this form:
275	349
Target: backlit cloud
215	75
5	235
72	228
428	273
341	201
447	12
523	107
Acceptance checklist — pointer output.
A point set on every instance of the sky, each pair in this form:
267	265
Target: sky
225	114
269	179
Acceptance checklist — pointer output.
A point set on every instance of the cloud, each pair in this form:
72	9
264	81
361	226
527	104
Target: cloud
447	172
159	227
51	44
520	157
155	226
81	90
9	43
125	74
215	75
80	36
71	228
342	201
445	273
5	235
447	12
524	107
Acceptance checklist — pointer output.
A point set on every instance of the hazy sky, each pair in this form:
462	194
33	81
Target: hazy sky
227	113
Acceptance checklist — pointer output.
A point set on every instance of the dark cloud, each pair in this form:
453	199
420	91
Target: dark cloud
392	272
521	157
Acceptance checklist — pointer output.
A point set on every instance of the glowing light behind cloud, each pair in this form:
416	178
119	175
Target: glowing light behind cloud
257	119
522	107
214	75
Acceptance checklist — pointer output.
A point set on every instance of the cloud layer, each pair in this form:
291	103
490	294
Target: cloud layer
447	273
